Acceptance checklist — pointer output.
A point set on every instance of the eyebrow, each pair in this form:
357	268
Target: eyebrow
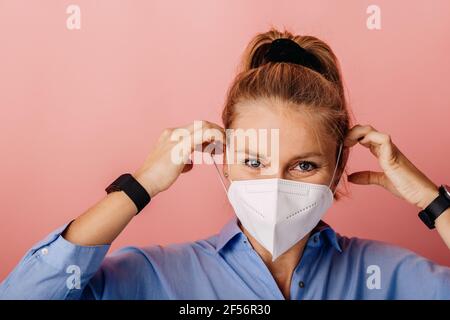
305	155
250	152
309	155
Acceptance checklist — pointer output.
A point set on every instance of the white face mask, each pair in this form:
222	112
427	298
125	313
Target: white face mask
278	212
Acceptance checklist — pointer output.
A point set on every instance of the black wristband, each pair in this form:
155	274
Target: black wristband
133	189
436	207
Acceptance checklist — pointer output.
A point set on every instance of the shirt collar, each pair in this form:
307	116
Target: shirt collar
231	230
228	232
323	230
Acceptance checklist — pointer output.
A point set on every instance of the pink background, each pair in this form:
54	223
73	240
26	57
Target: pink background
80	107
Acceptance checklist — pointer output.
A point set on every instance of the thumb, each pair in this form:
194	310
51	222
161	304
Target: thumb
366	177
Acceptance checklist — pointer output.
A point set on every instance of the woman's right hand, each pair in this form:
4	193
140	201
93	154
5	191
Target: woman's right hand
163	166
104	221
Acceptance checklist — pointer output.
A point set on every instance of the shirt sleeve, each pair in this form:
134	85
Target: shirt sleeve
416	277
386	271
54	268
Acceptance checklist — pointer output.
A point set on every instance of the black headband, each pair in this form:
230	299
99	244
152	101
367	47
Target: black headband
287	50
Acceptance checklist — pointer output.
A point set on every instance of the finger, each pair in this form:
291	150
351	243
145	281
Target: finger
191	128
367	177
209	124
375	137
208	134
213	147
200	130
380	145
201	124
187	167
357	133
207	137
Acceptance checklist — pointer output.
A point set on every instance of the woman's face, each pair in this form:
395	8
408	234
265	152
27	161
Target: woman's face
296	155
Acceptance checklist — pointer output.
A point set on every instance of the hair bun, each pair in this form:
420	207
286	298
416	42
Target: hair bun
287	50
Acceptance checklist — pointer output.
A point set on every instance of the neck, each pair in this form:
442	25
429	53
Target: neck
283	267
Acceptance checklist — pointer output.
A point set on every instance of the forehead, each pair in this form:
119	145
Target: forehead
296	128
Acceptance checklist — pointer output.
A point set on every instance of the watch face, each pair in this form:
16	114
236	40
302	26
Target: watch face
447	190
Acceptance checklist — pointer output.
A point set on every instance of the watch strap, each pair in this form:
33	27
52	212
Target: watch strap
132	188
435	208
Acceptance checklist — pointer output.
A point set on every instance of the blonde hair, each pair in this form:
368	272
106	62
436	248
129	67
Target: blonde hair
319	95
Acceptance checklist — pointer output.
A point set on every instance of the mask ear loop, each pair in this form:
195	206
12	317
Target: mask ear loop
337	161
218	171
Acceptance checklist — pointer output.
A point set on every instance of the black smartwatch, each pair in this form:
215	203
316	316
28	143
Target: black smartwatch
133	189
436	207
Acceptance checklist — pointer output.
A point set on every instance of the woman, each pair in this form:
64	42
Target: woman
293	85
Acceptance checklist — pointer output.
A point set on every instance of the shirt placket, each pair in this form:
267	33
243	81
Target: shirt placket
300	281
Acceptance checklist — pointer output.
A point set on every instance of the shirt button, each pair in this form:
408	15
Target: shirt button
44	251
301	284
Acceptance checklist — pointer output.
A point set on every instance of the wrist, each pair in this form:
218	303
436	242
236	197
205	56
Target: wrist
429	195
147	183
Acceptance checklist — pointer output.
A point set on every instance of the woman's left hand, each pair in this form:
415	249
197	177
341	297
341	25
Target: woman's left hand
399	175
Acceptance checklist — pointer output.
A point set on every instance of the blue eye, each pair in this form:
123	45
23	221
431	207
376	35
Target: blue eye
252	163
307	166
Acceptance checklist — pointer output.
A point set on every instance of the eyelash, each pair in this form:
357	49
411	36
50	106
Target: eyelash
312	164
246	162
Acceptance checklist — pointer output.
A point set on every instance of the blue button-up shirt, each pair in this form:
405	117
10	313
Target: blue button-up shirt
224	266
